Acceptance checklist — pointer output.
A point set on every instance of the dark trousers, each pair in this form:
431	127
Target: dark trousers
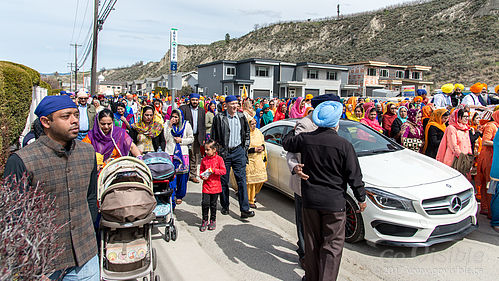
299	226
237	161
209	203
324	238
194	157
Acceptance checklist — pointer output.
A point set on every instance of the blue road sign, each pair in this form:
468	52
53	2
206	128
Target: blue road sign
173	66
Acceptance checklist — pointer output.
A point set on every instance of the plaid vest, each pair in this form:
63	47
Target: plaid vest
65	176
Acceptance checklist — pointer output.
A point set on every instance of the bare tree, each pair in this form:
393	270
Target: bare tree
27	230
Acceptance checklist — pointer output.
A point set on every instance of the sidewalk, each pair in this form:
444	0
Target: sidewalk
184	259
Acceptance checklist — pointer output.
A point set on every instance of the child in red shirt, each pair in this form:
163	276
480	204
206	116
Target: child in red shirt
212	167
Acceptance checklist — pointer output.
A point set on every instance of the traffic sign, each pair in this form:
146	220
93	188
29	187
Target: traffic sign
173	66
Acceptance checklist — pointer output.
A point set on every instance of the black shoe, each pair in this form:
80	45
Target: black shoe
247	214
224	211
303	278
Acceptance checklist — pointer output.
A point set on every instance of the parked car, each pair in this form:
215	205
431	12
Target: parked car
412	200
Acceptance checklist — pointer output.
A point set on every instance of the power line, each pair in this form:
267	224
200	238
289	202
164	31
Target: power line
76	17
83	21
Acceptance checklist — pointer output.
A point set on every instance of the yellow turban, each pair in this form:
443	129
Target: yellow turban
496	89
460	86
309	97
477	88
447	88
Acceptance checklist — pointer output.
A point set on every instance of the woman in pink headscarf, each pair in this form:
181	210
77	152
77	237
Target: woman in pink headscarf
370	119
298	108
456	139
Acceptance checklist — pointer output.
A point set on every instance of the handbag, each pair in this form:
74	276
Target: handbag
413	144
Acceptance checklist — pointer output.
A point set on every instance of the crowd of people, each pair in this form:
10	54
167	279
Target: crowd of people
222	133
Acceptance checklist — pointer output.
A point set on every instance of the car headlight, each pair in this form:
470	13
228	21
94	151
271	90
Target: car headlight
389	201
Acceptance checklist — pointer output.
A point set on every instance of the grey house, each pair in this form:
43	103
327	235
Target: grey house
227	77
272	78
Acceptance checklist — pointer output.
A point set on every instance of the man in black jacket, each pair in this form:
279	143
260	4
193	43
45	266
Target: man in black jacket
195	116
231	131
331	165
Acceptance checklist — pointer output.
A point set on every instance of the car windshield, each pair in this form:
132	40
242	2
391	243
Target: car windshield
366	141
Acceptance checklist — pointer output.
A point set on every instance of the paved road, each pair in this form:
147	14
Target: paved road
263	248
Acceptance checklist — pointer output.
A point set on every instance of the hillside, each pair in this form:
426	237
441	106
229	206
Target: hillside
458	38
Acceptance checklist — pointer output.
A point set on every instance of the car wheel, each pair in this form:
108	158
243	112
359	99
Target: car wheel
354	225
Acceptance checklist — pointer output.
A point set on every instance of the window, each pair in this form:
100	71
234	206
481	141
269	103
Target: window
332	75
416	75
226	90
399	74
275	134
371	72
383	73
312	74
231	71
262	71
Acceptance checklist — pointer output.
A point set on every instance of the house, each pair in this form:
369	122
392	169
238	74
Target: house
272	78
110	87
226	77
370	75
301	79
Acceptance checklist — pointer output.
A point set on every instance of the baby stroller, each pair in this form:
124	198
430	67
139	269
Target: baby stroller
126	203
163	172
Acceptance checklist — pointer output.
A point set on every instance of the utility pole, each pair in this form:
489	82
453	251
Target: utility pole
338	10
76	64
97	25
70	76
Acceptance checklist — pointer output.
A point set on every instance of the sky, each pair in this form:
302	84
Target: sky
39	33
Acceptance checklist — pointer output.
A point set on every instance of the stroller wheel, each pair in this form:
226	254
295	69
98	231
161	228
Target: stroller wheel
156	278
167	235
154	259
173	232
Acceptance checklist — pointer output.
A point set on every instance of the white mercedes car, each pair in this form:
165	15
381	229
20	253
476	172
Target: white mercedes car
412	200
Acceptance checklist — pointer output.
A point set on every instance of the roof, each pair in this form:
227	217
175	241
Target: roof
112	83
217	62
385	64
323	65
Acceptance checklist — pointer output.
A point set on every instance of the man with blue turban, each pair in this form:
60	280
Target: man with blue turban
329	165
196	117
67	171
303	125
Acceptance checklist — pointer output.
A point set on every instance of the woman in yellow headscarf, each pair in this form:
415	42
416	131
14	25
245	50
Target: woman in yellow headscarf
427	110
434	131
358	113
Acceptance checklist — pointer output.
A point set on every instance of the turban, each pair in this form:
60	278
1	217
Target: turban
309	97
194	96
460	86
447	88
420	92
327	114
496	89
51	104
322	98
230	98
477	88
418	98
82	93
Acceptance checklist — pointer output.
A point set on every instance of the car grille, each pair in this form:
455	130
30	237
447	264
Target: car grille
442	205
450	229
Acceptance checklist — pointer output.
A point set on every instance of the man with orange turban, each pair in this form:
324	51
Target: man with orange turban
472	99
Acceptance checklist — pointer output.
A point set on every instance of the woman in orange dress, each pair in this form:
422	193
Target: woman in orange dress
485	162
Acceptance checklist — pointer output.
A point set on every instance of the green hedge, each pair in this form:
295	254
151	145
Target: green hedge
16	83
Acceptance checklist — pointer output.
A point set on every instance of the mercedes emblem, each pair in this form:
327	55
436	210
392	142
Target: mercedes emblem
455	204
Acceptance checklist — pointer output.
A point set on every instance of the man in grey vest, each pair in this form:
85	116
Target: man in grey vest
66	170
